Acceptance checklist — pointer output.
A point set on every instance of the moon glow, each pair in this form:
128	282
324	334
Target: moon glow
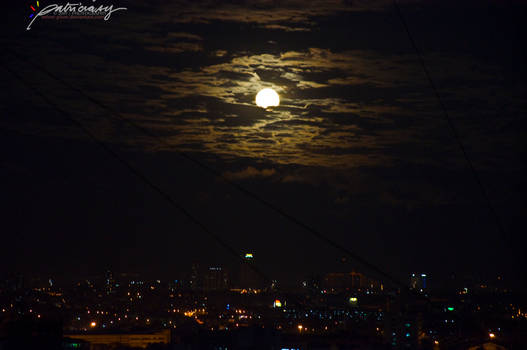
267	98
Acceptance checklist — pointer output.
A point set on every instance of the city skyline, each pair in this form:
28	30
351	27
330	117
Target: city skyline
339	309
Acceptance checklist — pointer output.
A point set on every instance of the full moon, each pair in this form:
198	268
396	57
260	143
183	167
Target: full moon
267	98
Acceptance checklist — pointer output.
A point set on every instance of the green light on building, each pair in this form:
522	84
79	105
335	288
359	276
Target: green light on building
450	308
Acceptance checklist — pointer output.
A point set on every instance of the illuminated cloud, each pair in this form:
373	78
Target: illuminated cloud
341	107
249	172
286	28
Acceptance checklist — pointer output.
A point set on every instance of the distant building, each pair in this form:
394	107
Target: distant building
216	278
14	282
403	321
312	283
338	281
342	281
487	346
195	277
176	285
418	282
110	285
249	279
136	340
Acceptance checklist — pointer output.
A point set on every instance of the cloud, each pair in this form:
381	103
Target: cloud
180	35
286	28
176	48
341	107
250	172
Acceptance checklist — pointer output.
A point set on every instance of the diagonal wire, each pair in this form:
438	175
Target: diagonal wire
140	175
216	173
451	125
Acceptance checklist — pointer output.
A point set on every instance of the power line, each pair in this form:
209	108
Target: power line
451	125
213	171
140	175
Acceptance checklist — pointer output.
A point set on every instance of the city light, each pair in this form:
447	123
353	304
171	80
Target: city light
311	319
248	256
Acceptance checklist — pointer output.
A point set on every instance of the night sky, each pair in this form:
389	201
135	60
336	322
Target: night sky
358	149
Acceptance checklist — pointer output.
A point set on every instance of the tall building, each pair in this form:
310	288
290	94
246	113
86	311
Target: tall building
418	282
109	283
249	279
195	277
216	278
403	321
339	281
342	281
